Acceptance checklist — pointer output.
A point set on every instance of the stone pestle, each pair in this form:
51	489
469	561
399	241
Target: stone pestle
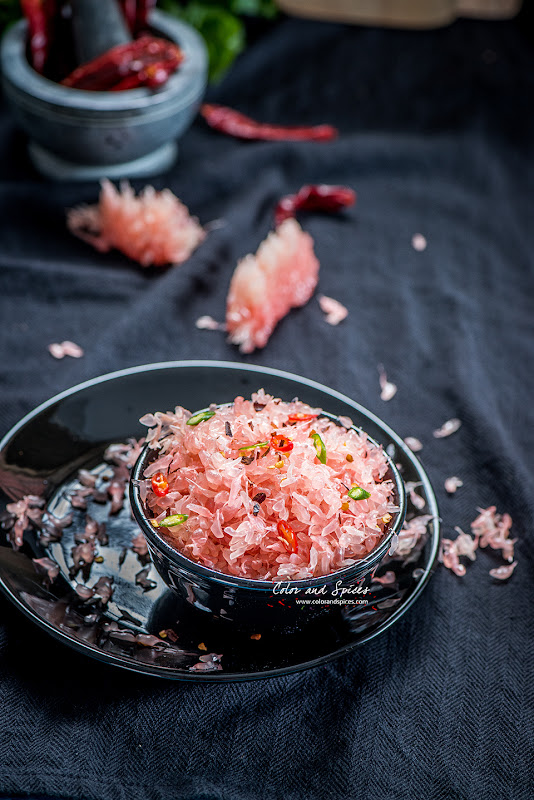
98	25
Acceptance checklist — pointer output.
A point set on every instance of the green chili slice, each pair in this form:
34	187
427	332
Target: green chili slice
168	522
200	417
320	448
357	493
253	446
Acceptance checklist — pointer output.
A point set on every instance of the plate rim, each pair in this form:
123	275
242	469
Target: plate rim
168	673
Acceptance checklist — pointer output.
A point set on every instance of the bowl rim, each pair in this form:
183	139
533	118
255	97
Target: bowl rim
354	571
18	73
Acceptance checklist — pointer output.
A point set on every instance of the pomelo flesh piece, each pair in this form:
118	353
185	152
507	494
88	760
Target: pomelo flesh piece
282	275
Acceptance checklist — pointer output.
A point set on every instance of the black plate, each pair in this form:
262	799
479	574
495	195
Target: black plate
42	454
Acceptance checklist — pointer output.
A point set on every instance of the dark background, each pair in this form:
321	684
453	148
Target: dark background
437	138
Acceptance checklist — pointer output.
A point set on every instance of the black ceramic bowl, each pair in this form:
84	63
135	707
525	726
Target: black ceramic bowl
259	604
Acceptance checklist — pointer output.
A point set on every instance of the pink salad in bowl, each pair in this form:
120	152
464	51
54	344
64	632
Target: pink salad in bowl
268	490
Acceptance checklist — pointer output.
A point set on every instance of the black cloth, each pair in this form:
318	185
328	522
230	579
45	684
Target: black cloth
436	137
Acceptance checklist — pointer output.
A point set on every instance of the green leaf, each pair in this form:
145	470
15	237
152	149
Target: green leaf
223	32
256	8
248	8
253	8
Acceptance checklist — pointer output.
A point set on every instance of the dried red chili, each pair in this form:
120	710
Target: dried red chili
160	484
39	15
129	10
227	120
143	9
281	443
299	416
136	13
314	198
288	534
147	61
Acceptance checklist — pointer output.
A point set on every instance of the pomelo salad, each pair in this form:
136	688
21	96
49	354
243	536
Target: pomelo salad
266	489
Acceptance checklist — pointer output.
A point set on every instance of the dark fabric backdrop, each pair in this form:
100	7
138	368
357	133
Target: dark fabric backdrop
436	137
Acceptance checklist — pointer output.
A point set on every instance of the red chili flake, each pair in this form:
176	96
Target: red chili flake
160	485
314	198
288	534
299	416
147	61
233	123
281	443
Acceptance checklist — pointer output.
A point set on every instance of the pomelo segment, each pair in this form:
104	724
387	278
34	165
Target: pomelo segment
265	287
154	228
